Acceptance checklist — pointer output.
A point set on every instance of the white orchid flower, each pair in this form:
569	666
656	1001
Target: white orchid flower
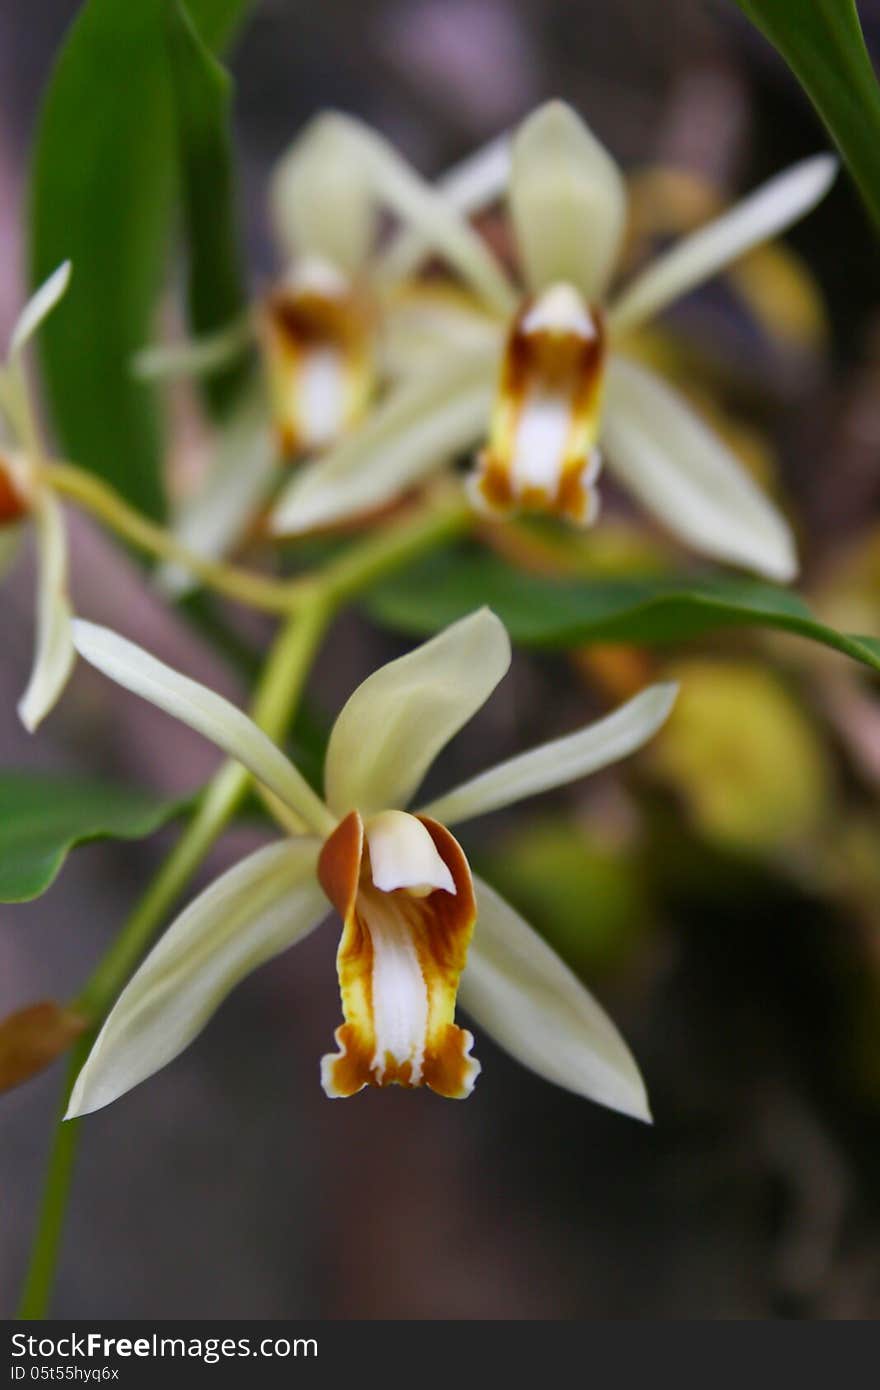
24	496
554	384
325	329
416	921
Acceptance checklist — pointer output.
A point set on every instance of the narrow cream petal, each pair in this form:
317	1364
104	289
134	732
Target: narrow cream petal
55	654
562	761
418	429
396	722
567	200
428	213
253	912
469	186
764	214
517	989
198	356
38	307
687	477
322	199
206	712
218	515
403	855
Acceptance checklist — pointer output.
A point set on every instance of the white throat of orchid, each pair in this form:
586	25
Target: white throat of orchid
403	888
317	334
542	452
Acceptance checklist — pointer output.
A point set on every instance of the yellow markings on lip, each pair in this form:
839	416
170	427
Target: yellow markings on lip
542	450
399	961
318	345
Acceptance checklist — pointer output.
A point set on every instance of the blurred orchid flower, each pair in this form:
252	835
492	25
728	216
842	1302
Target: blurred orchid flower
553	384
24	496
321	328
399	880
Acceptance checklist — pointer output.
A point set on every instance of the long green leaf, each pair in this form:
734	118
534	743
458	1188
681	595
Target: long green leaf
822	42
548	613
102	180
202	92
43	817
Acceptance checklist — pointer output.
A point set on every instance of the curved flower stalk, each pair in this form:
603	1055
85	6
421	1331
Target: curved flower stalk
556	388
325	329
25	496
416	921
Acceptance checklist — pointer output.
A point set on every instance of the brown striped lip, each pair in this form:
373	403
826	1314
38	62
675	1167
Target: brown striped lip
400	959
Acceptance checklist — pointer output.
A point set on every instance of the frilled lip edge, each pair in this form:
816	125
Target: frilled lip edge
399	961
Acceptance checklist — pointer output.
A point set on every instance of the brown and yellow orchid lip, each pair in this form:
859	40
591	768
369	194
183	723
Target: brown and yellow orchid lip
542	450
13	504
400	958
317	331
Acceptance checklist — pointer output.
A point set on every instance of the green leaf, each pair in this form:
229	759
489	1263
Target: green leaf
562	613
102	181
43	817
202	92
822	42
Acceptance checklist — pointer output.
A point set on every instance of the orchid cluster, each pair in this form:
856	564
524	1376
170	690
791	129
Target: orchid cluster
397	344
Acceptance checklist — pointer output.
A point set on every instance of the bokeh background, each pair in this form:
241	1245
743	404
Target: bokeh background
721	895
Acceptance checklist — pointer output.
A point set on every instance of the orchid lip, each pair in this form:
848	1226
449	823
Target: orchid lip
400	956
542	450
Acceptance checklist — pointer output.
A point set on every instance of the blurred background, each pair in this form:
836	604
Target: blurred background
721	895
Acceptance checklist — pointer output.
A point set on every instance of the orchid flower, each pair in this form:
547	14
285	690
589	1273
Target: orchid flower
553	385
419	929
24	496
321	329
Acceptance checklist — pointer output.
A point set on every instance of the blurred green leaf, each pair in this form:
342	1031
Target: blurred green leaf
202	92
43	817
102	181
563	613
822	42
587	899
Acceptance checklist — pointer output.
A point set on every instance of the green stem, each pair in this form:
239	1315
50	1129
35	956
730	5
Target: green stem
97	497
272	709
316	601
56	1190
370	561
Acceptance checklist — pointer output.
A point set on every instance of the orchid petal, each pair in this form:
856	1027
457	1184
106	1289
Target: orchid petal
516	988
765	213
682	472
396	722
38	307
198	356
322	199
268	902
217	516
428	213
567	200
55	652
420	427
203	710
469	186
560	762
